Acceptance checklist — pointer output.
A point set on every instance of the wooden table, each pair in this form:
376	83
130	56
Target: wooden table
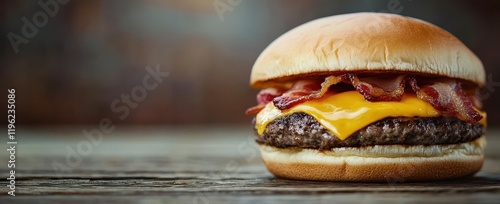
199	165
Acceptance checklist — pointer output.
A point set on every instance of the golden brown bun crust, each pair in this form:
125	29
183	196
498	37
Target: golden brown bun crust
454	161
367	42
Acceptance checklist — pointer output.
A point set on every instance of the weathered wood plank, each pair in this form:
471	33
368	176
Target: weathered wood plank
202	198
257	185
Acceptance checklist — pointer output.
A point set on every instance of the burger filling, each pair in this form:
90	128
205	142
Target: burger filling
304	131
352	111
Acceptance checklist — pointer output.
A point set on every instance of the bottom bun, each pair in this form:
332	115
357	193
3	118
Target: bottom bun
380	163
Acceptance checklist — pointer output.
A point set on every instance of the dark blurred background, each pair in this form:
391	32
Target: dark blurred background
86	54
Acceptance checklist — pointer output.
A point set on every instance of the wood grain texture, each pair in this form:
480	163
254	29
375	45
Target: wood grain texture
200	165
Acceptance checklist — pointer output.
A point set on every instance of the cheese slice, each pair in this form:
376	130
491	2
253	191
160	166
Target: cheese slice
347	112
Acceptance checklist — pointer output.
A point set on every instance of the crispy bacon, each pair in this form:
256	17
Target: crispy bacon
263	97
377	89
447	96
304	90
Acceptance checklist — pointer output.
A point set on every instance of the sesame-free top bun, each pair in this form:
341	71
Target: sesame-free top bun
368	42
381	163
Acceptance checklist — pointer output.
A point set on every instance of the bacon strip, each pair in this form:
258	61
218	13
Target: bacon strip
304	90
263	97
377	89
448	97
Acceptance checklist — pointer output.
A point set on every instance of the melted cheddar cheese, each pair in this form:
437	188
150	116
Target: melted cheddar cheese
347	112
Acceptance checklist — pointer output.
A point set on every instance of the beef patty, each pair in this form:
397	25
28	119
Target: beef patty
302	130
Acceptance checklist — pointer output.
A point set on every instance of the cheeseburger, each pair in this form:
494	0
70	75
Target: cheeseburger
369	97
